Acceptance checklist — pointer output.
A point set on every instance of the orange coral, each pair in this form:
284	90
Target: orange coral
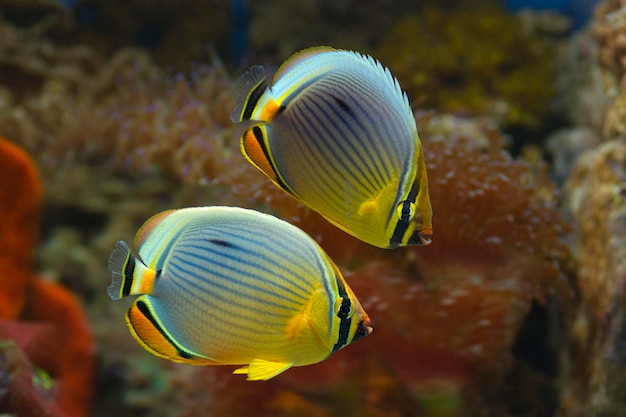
20	210
64	348
70	355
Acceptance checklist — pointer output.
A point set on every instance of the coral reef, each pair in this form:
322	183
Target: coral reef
609	30
446	317
594	362
65	349
18	376
107	27
346	24
118	138
97	104
471	61
591	84
580	97
565	147
155	27
21	198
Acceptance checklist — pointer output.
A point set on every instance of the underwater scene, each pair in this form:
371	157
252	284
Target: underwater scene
320	208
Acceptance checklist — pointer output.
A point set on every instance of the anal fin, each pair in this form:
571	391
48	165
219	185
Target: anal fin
146	328
256	148
260	369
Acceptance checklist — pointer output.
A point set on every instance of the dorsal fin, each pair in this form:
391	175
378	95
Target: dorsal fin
149	226
298	57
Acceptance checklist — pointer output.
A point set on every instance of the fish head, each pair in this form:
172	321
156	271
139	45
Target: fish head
412	223
352	322
361	320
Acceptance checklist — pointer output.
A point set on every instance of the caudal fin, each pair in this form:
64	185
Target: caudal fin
127	275
250	87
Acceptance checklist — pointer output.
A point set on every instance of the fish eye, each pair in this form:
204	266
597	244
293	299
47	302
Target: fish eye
343	308
406	210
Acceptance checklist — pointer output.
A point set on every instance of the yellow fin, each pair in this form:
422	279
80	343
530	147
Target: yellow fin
260	369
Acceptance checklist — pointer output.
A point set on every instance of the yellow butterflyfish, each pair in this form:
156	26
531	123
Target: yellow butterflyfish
231	286
336	131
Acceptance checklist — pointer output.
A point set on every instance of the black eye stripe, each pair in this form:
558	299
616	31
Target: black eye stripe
406	210
344	309
403	223
343	313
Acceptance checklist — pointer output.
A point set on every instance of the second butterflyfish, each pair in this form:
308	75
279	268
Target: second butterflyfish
336	131
231	286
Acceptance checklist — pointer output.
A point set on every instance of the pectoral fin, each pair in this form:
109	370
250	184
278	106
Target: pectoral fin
260	369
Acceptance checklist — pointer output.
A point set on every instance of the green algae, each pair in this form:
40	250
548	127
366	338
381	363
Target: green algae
471	62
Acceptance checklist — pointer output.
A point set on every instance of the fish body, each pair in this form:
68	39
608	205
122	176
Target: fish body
336	132
231	286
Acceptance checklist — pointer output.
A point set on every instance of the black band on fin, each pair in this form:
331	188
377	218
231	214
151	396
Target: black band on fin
145	310
344	321
253	99
127	273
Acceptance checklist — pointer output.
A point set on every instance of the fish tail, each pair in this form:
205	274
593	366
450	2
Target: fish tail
250	88
128	274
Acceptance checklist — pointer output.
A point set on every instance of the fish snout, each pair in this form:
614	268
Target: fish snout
366	324
363	329
421	238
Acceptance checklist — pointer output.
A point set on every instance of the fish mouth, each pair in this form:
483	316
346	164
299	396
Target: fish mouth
366	324
363	329
421	238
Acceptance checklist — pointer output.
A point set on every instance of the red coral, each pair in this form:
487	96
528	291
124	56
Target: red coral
20	211
17	379
45	321
495	213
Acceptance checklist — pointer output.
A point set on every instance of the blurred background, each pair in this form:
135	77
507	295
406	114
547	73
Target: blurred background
111	111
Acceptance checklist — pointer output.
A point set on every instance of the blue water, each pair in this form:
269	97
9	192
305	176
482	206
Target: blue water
580	10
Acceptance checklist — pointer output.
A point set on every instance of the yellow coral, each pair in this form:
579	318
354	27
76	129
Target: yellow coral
475	61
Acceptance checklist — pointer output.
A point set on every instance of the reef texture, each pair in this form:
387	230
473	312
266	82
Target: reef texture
121	108
591	84
348	24
609	29
459	61
42	325
595	364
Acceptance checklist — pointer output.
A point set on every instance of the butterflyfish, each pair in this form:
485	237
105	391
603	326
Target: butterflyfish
335	130
232	286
